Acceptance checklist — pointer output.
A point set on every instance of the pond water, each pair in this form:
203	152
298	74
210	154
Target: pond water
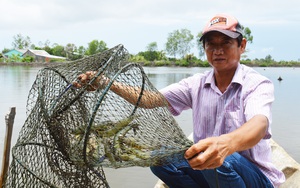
16	82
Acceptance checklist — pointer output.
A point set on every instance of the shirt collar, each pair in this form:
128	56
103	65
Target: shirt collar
237	78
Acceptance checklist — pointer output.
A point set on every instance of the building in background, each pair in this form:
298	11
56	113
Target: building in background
38	55
14	52
41	55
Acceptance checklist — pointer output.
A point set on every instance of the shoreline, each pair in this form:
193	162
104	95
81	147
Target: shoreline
46	64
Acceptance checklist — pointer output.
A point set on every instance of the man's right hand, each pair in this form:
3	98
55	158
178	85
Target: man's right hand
85	78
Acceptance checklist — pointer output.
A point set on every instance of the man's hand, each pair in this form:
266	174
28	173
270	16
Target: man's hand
211	152
85	78
208	153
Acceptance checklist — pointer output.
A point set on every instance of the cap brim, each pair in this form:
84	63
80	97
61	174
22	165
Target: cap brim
230	34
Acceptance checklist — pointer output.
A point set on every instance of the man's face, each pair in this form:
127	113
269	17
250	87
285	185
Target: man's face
223	52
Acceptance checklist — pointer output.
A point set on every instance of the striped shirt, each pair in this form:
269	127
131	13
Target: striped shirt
216	113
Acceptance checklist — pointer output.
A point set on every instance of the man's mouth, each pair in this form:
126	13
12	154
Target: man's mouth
219	59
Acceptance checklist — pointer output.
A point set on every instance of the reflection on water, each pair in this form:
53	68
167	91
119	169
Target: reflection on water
16	82
161	80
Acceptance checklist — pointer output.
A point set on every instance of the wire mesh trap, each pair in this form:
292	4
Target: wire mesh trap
71	133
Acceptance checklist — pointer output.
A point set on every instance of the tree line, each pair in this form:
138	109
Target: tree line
178	46
176	50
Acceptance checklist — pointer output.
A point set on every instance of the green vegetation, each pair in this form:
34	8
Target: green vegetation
176	51
28	59
179	43
15	58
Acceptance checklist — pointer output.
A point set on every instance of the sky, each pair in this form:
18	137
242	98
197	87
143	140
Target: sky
275	24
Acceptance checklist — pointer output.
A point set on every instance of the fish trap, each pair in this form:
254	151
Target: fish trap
70	133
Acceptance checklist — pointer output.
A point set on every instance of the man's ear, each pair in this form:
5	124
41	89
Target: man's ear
243	45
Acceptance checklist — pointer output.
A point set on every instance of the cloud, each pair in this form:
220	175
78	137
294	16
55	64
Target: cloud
136	23
61	13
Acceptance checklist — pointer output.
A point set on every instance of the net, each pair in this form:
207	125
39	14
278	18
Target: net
71	133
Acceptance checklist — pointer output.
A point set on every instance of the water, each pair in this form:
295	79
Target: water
16	82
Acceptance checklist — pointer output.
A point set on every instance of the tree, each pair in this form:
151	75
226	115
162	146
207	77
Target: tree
70	48
5	50
59	50
152	47
15	58
21	42
201	51
151	52
45	46
81	51
268	59
179	42
28	59
48	49
96	46
247	34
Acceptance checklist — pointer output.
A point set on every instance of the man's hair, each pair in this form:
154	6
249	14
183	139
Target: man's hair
239	40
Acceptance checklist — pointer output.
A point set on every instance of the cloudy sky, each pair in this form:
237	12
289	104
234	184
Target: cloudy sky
275	24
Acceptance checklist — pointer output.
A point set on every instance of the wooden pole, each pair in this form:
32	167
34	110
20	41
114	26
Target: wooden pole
9	120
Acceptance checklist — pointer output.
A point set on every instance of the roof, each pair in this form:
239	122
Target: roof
39	52
14	52
21	50
43	53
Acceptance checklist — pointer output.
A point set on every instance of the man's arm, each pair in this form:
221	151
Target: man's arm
149	99
211	152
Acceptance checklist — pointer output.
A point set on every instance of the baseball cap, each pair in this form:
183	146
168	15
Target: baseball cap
225	24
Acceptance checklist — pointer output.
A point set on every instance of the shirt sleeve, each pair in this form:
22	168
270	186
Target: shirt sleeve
259	102
179	94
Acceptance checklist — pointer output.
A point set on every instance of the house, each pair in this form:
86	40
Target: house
14	52
41	55
38	55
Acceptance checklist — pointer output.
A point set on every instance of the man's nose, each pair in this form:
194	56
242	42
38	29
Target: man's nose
218	49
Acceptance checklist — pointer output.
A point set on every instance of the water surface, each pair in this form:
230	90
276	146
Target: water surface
16	82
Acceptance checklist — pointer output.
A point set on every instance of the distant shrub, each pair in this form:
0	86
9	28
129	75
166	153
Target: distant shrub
137	58
160	63
57	60
263	65
28	59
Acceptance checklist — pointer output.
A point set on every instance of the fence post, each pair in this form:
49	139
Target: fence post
9	120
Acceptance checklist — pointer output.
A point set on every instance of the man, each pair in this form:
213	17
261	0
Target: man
231	116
